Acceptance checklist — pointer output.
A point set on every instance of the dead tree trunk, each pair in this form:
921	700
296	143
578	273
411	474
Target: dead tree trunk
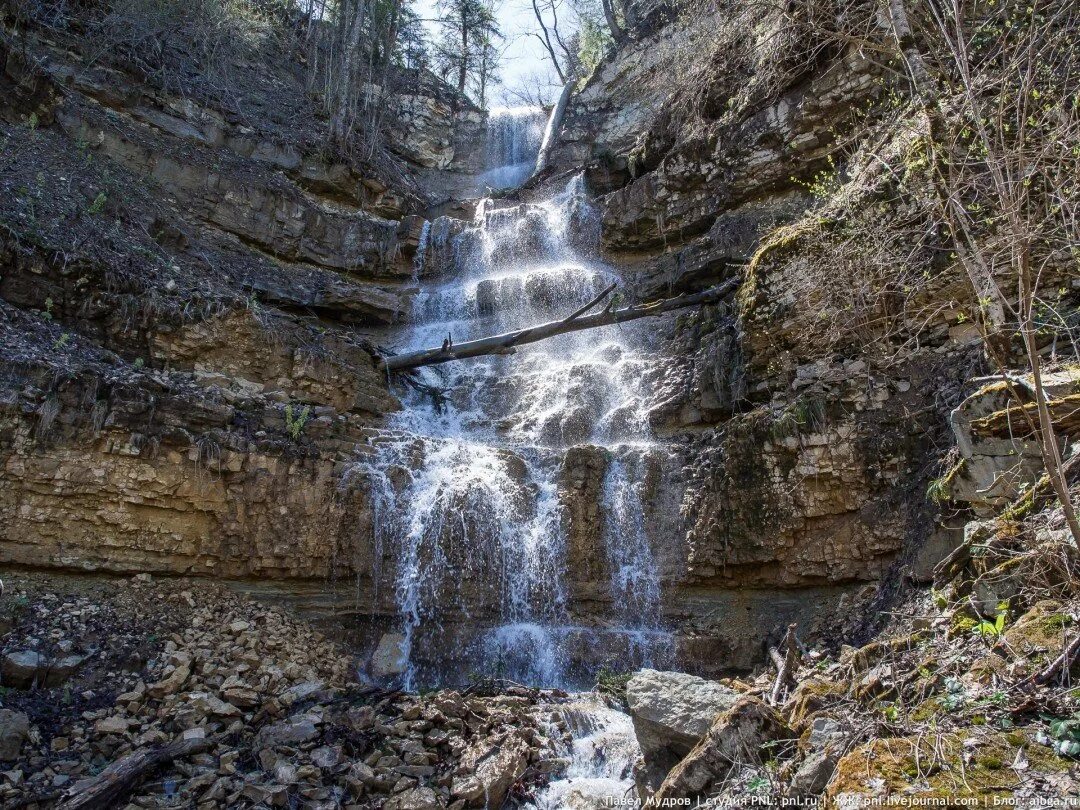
786	665
506	343
114	783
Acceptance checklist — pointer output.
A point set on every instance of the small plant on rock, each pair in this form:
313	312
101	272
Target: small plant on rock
992	630
295	420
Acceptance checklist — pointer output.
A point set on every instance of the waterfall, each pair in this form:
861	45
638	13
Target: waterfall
470	515
513	142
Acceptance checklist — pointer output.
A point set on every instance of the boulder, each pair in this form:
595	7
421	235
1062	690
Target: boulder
289	732
813	775
735	738
60	669
672	711
390	657
171	683
112	725
14	729
419	798
491	767
20	668
204	704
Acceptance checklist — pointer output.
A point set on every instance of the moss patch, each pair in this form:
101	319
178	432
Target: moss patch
940	767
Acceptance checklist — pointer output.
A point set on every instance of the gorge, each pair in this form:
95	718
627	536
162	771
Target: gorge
807	539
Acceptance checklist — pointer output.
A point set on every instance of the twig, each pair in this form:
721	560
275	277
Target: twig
1062	663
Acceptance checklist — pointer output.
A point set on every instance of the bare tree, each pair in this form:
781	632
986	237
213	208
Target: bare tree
997	84
549	35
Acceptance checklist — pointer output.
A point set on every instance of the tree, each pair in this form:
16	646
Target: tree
470	32
412	43
997	84
489	54
560	55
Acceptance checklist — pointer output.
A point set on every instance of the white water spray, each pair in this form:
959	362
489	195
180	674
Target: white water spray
466	497
514	135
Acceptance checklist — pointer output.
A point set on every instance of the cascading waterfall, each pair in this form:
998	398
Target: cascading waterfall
514	135
466	500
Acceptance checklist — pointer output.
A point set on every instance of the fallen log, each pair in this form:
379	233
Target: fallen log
506	343
114	783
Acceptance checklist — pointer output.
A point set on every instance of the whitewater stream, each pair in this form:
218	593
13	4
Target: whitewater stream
468	507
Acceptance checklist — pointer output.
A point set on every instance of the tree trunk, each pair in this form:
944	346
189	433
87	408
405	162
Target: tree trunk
346	80
463	66
504	344
617	32
551	131
113	784
1051	450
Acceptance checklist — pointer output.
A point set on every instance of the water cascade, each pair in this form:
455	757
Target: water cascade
514	135
601	757
472	483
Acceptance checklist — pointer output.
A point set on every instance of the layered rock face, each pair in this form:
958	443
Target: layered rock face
194	298
191	295
805	435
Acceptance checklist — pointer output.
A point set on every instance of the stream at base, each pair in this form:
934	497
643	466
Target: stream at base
601	758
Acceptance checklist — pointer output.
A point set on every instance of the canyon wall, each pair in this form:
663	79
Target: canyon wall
194	296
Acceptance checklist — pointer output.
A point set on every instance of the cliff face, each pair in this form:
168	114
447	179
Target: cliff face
191	294
811	414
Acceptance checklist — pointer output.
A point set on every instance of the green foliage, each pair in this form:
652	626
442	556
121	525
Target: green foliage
805	413
1063	734
940	489
954	697
613	682
295	420
823	184
993	630
594	40
98	204
62	341
758	785
32	121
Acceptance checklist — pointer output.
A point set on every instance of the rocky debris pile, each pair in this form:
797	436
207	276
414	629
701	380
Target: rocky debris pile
946	703
264	710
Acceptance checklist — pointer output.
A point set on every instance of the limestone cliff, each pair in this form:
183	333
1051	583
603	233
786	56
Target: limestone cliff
192	290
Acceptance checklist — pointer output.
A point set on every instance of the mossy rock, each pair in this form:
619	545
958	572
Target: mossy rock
1036	636
779	243
866	657
1040	629
811	696
939	767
